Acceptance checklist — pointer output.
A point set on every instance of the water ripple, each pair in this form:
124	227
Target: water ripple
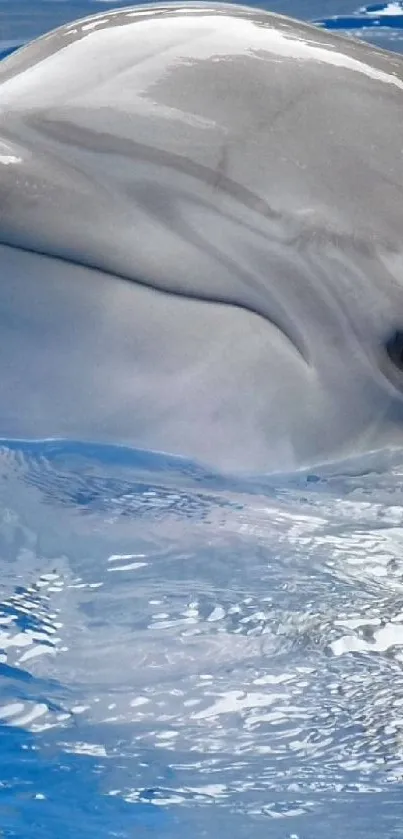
205	641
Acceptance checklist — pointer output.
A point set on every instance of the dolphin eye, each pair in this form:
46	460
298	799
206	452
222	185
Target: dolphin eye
394	349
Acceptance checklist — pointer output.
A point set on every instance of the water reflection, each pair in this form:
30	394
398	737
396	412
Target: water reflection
203	643
375	15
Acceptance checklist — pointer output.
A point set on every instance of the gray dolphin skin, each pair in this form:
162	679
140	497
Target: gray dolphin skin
201	238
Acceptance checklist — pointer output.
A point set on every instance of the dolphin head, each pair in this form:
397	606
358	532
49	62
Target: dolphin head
201	225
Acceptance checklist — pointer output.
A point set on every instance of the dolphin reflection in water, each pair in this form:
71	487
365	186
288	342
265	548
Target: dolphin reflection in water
201	237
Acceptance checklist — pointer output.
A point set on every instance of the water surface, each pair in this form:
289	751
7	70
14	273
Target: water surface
182	652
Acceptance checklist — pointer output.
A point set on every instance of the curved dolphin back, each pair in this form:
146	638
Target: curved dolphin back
209	134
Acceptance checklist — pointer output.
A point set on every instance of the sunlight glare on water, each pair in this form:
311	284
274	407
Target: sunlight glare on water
202	654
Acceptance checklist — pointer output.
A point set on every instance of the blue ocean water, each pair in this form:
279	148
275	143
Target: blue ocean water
185	654
380	23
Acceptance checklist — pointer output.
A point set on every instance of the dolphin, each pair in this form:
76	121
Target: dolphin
201	238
